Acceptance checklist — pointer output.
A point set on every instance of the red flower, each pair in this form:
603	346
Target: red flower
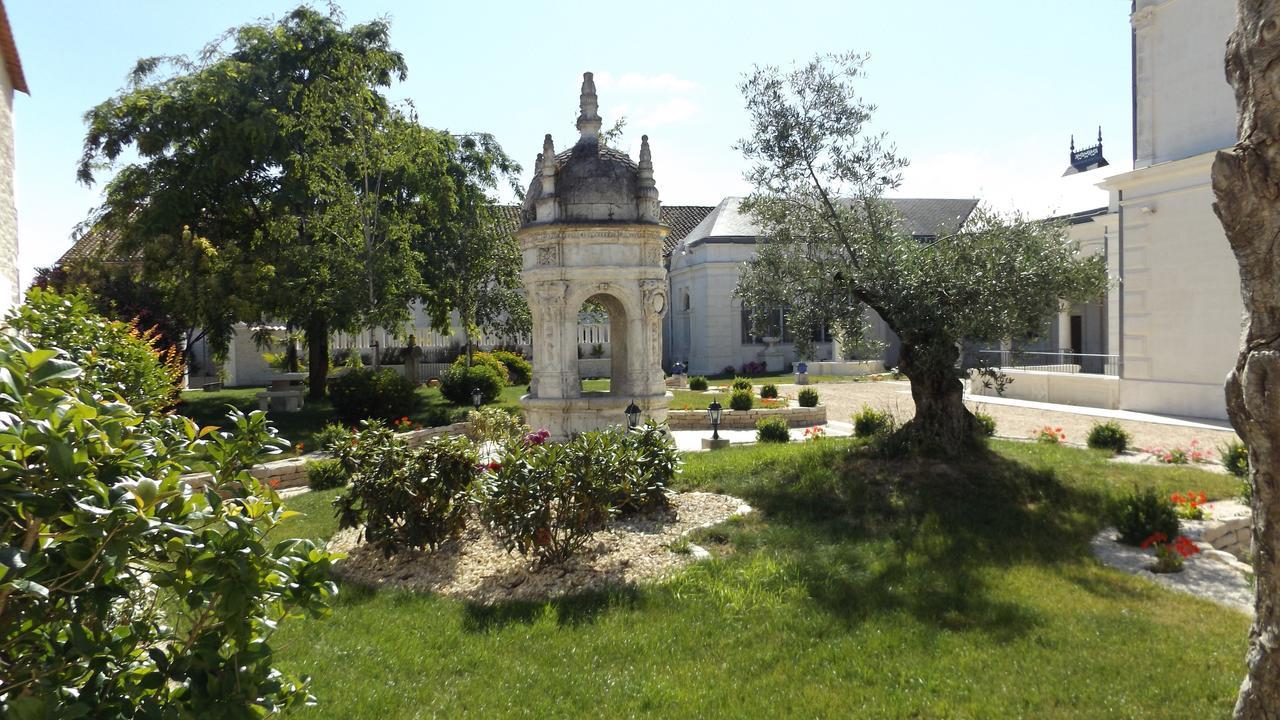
1154	539
494	465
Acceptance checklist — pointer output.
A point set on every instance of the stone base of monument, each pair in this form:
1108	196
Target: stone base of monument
715	444
802	378
565	417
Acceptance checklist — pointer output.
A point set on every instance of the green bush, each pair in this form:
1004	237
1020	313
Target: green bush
1144	512
117	359
1109	435
458	381
126	594
869	422
654	453
488	360
496	425
808	397
368	394
741	400
698	382
1235	458
331	436
986	424
519	370
406	499
769	391
772	430
741	383
326	474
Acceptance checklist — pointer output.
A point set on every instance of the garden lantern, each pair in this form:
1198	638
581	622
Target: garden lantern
713	412
477	397
633	416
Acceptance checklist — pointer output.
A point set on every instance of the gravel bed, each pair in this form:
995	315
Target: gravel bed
475	568
1212	575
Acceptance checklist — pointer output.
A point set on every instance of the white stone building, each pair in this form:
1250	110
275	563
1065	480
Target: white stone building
11	80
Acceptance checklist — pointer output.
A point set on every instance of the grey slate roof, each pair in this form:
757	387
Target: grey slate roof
923	216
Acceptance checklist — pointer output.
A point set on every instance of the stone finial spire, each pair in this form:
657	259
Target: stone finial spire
589	117
546	168
537	166
647	193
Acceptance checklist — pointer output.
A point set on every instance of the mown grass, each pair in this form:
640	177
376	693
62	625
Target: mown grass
210	408
862	588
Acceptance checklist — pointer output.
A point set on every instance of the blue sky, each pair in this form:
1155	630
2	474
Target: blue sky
981	96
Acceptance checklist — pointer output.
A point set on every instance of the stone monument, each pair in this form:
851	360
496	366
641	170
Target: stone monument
590	230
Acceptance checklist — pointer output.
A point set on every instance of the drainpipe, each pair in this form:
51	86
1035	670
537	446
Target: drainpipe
1120	284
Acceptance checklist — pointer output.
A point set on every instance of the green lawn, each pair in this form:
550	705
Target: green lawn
863	588
210	408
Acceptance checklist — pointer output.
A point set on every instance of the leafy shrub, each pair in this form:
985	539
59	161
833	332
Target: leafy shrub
728	370
488	360
116	359
365	394
869	422
769	391
1235	458
772	430
519	370
653	452
496	425
1049	435
741	383
125	594
332	435
406	498
326	474
1109	435
1141	514
458	381
808	397
741	400
698	382
986	424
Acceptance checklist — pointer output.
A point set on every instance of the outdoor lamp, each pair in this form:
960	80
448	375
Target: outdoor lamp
713	412
633	416
477	397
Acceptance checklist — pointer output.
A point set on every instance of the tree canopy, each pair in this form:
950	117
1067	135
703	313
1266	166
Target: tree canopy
270	178
833	248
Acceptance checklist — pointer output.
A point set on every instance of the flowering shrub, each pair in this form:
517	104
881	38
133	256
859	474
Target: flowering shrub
1190	505
537	437
1049	435
404	424
754	368
814	433
768	391
496	425
1142	514
1178	455
406	498
1169	555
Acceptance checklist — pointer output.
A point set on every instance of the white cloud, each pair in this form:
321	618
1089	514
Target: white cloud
667	112
639	82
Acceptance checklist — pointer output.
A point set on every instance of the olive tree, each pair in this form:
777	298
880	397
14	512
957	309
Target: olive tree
833	248
1246	186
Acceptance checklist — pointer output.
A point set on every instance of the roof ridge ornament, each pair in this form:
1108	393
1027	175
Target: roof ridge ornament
589	106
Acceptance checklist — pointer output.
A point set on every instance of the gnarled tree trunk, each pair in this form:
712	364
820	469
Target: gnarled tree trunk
942	422
317	330
1246	184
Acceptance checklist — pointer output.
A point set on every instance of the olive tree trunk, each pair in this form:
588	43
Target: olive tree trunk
1246	185
942	423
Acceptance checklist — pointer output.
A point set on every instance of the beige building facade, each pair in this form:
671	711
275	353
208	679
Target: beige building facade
12	80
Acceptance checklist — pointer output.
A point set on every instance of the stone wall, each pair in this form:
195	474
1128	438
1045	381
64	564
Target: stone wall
796	417
292	472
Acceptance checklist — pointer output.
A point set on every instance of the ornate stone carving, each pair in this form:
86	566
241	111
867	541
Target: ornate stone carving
548	256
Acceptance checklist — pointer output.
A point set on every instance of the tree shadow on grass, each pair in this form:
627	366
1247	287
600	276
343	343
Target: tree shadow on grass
871	537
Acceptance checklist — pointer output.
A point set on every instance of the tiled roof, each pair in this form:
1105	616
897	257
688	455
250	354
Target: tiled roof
9	52
99	243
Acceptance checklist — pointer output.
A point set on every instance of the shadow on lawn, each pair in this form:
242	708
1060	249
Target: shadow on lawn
571	611
867	537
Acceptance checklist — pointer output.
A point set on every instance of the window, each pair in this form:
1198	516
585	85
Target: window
776	327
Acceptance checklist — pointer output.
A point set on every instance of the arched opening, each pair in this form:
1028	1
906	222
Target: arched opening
602	346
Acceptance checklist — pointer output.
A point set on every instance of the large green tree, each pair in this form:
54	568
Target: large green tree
269	179
833	248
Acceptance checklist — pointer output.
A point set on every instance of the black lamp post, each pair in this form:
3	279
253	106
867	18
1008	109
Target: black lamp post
633	416
713	412
477	397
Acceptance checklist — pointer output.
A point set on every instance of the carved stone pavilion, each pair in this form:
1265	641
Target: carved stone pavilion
590	230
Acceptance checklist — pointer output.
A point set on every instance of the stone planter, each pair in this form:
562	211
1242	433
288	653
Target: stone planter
796	417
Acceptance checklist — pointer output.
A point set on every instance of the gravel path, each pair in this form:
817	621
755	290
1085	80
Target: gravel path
845	399
477	569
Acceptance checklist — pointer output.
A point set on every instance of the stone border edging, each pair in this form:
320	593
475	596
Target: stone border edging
796	417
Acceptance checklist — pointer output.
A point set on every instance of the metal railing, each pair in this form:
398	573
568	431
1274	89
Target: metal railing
1060	361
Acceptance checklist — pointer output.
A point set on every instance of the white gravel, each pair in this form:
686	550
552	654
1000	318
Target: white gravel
477	569
1207	575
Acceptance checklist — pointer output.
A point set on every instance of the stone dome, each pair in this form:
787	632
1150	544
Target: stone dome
591	182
